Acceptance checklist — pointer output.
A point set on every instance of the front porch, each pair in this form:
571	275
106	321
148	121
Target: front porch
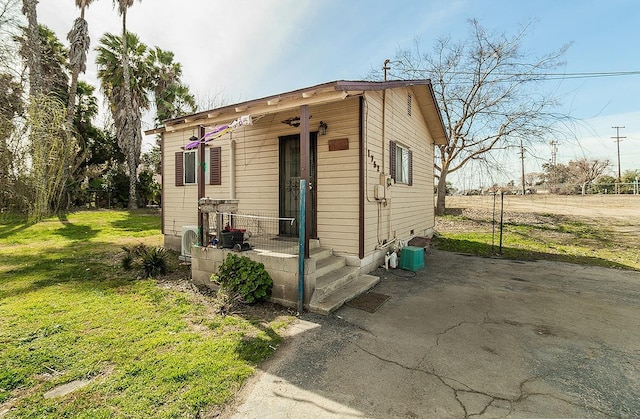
329	281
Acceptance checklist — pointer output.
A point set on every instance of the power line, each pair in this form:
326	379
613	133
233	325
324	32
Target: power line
585	75
548	76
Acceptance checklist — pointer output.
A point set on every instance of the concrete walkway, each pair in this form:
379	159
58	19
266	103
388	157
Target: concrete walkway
465	337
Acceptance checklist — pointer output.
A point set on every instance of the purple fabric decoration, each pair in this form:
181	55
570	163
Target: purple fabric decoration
219	131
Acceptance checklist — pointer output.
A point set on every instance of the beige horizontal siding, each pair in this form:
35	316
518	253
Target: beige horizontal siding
257	173
337	183
409	207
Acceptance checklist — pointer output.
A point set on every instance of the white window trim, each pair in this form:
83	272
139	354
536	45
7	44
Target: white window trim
402	165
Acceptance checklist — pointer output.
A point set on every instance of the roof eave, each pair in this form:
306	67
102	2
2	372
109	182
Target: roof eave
321	93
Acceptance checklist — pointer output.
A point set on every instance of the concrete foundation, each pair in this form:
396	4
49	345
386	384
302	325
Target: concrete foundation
282	268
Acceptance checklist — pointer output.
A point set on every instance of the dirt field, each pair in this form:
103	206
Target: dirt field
599	229
620	207
619	212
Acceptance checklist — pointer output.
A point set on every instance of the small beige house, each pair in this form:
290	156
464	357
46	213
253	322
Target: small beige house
366	150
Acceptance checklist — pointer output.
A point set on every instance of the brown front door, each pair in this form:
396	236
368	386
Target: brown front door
290	183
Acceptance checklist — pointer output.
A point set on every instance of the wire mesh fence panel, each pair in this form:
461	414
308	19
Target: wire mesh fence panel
258	231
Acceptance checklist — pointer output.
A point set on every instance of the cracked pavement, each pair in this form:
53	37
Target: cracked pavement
466	337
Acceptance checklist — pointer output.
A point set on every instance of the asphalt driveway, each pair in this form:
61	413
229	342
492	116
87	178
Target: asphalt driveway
465	337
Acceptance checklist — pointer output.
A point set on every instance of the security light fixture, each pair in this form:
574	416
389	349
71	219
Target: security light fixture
322	128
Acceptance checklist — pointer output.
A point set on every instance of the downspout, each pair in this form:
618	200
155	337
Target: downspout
384	132
232	168
201	181
162	182
384	161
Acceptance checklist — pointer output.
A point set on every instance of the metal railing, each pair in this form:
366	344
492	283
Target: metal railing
256	231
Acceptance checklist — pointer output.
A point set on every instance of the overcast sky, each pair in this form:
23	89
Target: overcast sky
247	49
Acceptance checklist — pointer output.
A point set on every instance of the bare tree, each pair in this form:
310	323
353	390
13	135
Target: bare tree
486	88
586	171
210	100
9	27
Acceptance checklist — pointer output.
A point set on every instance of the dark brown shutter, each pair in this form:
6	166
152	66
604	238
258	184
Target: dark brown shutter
392	160
410	167
179	168
215	166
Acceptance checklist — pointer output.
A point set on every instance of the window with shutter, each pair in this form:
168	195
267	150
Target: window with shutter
392	160
179	169
190	167
215	167
185	167
410	180
400	164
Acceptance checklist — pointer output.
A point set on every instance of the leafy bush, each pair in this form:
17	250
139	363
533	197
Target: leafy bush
152	261
245	278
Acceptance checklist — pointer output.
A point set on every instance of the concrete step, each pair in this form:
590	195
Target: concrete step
329	282
318	253
328	264
334	300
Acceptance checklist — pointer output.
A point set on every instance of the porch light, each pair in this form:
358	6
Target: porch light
322	128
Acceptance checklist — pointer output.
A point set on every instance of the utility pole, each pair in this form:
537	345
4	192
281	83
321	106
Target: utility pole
554	152
522	158
554	161
386	67
618	138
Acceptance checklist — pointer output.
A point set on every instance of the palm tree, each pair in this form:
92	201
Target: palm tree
34	56
128	130
51	78
126	113
55	81
79	42
172	98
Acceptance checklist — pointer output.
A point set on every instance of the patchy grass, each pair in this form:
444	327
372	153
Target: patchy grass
68	311
595	242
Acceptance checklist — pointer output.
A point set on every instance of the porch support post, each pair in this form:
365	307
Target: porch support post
232	167
201	183
362	181
305	167
302	249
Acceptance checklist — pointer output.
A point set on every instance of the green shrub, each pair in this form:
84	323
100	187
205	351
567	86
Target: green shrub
127	260
152	261
245	278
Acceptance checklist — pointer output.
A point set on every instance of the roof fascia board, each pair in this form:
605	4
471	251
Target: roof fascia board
260	108
321	93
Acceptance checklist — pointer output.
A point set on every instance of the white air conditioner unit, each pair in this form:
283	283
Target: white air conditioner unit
189	238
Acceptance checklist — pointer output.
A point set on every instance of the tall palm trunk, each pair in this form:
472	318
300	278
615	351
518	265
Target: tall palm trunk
128	130
79	40
39	207
34	60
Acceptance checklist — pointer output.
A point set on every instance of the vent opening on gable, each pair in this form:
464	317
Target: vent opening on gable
409	104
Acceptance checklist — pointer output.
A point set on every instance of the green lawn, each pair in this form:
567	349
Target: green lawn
68	311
